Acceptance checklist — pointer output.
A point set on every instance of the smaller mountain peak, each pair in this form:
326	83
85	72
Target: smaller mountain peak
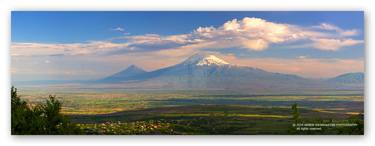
205	60
134	67
127	73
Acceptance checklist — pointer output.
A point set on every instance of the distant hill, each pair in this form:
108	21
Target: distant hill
349	78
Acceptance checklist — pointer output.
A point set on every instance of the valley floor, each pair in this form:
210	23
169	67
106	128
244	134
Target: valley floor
214	119
208	112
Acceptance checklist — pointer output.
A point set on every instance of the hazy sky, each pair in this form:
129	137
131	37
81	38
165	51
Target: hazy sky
90	45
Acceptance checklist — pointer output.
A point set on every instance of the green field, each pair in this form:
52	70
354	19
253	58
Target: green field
204	112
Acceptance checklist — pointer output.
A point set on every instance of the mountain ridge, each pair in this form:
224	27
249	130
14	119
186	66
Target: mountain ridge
348	78
210	72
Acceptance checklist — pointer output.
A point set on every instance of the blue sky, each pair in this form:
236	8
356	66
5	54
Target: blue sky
46	39
63	27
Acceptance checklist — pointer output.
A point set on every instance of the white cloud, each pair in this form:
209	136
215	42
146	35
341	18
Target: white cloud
302	57
45	49
231	25
334	44
302	65
120	29
249	33
351	32
328	26
253	34
340	31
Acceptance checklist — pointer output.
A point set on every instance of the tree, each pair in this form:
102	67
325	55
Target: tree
20	113
39	119
295	113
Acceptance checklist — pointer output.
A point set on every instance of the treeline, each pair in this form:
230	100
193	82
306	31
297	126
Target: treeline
40	119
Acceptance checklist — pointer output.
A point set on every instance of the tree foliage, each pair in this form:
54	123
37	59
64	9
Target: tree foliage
40	119
295	113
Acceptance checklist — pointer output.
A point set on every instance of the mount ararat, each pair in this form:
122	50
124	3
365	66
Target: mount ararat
205	72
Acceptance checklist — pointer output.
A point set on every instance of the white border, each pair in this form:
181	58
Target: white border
6	6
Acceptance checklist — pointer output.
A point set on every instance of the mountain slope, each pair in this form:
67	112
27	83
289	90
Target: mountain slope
349	78
210	72
206	72
126	74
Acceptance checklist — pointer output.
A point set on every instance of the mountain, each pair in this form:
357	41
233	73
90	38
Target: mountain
206	72
348	78
126	74
202	71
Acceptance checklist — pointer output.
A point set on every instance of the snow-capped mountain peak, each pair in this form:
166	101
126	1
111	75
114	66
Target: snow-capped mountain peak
211	60
205	60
